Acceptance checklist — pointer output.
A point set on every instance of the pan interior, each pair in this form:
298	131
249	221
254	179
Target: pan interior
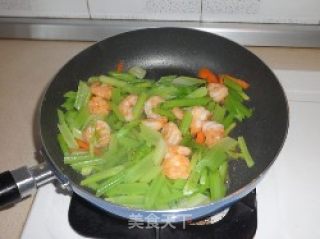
179	51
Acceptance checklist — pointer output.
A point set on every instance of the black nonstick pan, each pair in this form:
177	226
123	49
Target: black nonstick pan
162	51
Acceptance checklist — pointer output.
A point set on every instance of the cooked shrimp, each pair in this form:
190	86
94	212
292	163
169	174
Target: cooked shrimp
218	92
178	113
171	133
98	106
102	90
176	166
100	130
126	107
213	132
154	123
178	149
151	103
199	115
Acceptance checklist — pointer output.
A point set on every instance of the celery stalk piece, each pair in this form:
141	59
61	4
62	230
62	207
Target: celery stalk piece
212	159
138	108
83	95
109	183
217	186
61	117
123	76
138	72
245	152
149	135
126	128
116	111
63	144
164	112
166	79
200	92
188	81
129	189
228	130
193	200
185	102
154	191
159	152
71	159
192	182
102	175
151	174
185	122
112	81
218	113
135	201
67	136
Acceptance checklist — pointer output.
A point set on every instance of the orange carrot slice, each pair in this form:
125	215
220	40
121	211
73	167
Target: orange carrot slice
208	75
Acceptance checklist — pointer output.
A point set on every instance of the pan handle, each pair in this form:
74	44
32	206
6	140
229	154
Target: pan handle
23	182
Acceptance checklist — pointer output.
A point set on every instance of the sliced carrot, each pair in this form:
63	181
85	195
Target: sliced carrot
243	84
200	137
208	75
82	144
119	67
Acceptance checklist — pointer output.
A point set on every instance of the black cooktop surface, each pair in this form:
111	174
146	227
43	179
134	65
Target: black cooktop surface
240	222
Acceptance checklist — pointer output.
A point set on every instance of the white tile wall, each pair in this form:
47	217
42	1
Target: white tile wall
264	11
44	8
146	9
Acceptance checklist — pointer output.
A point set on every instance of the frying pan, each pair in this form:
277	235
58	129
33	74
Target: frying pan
162	51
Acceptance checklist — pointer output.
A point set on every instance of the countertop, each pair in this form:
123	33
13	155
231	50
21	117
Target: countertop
26	67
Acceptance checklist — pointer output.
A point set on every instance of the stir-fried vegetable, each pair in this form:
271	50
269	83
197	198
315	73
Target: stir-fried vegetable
154	144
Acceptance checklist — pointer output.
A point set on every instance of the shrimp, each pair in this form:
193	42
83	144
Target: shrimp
151	103
176	166
101	130
126	106
199	115
99	106
154	124
178	149
218	92
213	132
178	113
102	90
171	133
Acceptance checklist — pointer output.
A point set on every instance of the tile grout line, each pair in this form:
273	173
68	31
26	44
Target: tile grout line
88	9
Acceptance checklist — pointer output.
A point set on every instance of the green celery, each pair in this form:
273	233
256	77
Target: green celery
193	200
212	159
128	189
218	113
185	102
159	152
230	128
83	95
151	174
135	201
187	81
217	186
154	191
123	76
138	72
185	122
71	159
127	127
138	108
166	79
192	182
164	112
200	92
67	135
109	183
102	175
245	152
63	144
113	81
